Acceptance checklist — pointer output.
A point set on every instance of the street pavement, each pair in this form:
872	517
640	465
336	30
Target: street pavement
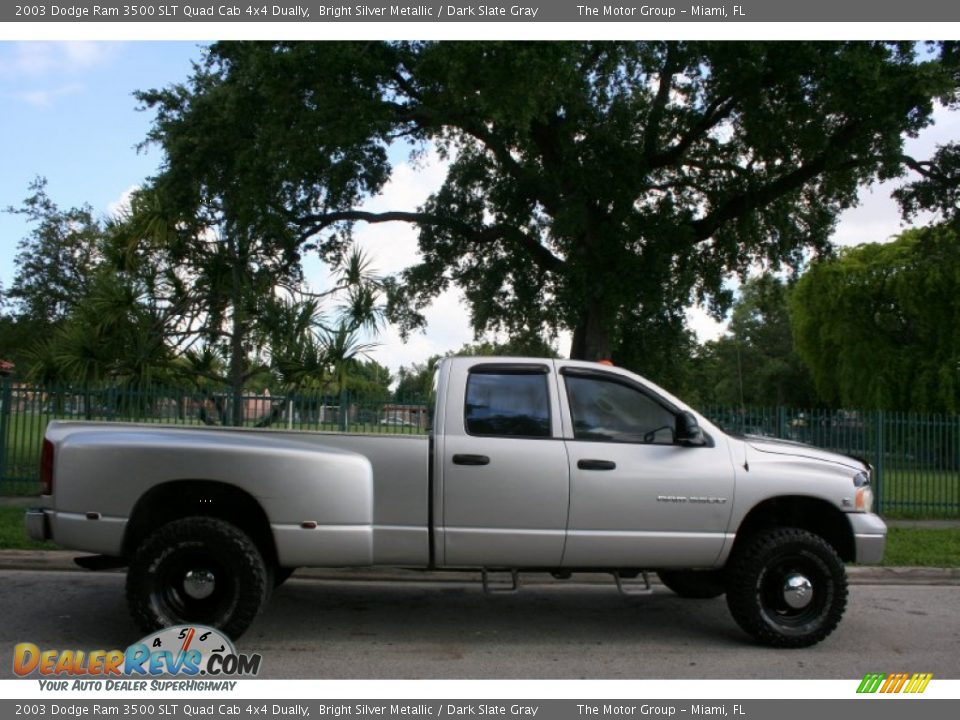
354	624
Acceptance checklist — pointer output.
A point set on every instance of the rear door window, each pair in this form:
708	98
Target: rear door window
506	404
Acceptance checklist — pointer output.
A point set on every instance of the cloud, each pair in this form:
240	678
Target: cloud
39	74
121	205
33	60
47	97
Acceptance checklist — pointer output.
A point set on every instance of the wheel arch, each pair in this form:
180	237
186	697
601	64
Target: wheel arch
813	514
177	499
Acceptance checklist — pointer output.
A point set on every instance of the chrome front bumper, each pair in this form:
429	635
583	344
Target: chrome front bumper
37	524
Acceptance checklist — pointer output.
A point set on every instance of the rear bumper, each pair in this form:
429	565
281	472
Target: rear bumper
869	538
37	523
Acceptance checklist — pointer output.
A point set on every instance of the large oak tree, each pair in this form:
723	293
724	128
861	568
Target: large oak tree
592	186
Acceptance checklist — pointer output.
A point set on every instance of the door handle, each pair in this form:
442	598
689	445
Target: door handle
596	465
471	460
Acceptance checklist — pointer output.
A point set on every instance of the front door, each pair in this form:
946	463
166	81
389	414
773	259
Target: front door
637	498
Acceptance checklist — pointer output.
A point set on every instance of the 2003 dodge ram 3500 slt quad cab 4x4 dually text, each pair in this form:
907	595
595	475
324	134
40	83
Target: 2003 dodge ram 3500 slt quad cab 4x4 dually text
547	465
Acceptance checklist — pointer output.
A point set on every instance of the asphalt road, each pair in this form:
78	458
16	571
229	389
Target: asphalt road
359	629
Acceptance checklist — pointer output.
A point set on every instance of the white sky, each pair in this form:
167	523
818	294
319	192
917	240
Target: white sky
67	113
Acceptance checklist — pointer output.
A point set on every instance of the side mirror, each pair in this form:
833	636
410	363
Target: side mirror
688	430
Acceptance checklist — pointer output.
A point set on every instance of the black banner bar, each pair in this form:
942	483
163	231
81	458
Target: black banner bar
511	709
579	11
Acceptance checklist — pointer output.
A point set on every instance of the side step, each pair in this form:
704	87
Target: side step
633	588
500	589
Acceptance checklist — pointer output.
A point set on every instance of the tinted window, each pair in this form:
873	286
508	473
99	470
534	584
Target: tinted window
508	405
607	410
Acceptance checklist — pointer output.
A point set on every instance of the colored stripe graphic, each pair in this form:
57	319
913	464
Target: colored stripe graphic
894	683
871	682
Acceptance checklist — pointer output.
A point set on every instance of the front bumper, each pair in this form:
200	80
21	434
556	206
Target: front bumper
869	537
37	523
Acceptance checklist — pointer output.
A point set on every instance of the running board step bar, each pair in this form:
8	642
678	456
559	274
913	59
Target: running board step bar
633	587
490	588
494	582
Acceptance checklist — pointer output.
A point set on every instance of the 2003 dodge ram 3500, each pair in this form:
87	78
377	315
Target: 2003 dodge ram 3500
546	465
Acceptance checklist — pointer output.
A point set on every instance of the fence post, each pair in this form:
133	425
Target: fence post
6	403
878	470
344	410
781	422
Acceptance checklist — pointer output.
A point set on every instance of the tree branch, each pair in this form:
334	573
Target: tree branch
929	170
541	255
756	197
715	113
654	117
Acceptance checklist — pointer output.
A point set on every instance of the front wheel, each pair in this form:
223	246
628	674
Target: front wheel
197	570
787	587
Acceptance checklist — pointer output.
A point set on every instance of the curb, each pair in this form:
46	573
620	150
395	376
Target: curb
62	561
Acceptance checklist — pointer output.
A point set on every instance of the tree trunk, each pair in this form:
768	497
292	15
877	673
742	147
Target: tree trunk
591	338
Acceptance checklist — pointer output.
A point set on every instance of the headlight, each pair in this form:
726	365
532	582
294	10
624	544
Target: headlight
863	497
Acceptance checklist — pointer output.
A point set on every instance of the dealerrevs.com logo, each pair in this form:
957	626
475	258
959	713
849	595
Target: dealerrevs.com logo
894	683
200	656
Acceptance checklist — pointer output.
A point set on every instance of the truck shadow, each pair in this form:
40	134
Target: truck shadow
457	625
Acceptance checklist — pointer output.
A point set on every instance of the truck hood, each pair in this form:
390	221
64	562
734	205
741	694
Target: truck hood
775	446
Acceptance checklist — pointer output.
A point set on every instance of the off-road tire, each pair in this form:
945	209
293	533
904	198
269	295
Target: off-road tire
694	584
156	594
758	573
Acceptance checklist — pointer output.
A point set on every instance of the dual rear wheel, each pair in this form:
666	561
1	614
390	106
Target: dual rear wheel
199	570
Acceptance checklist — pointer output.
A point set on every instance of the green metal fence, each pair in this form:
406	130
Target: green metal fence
25	412
916	457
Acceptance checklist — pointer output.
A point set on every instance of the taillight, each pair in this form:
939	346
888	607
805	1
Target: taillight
46	468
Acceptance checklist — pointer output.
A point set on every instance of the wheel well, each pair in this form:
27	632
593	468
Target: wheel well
185	498
811	514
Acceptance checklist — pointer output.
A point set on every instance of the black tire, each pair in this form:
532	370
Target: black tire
758	576
157	596
694	584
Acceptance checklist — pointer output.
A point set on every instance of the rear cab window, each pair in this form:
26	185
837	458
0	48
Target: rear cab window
508	401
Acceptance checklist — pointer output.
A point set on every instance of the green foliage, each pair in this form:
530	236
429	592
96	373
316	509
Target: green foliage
56	261
415	383
593	186
755	363
879	326
524	346
76	311
164	294
938	188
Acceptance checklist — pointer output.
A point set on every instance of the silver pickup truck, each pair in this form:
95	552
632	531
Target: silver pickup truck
531	465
